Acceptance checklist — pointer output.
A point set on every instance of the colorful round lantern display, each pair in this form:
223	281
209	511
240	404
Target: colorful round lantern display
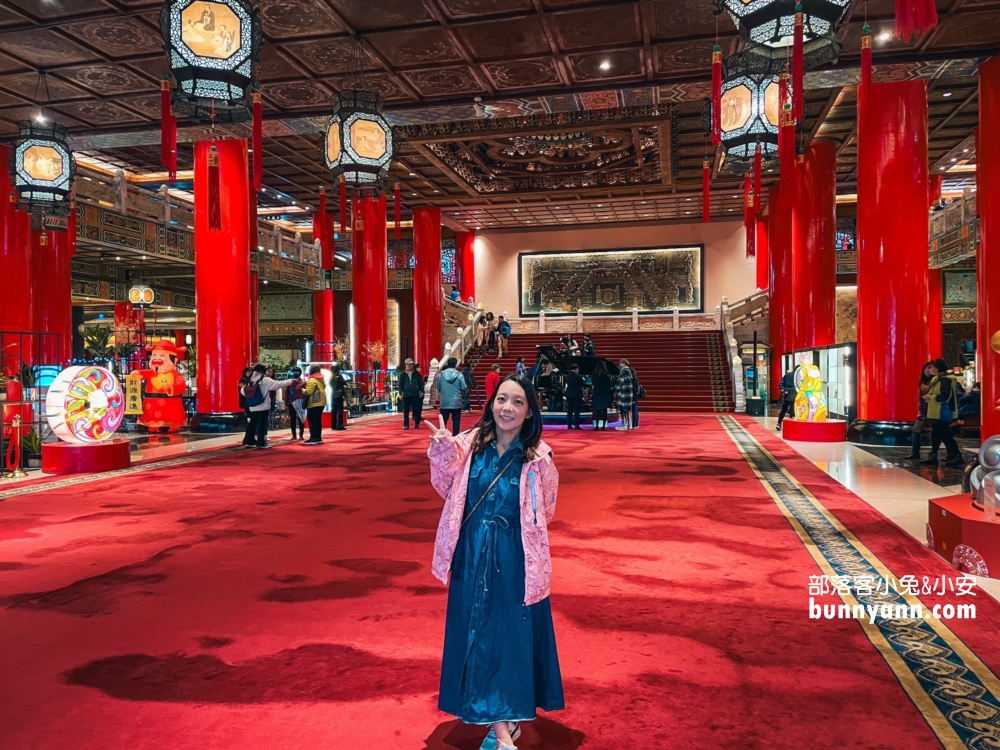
85	404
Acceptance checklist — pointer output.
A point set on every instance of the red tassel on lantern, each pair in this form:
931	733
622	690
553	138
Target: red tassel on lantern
866	74
914	17
396	210
214	191
717	96
258	137
749	217
786	139
319	224
168	132
798	65
706	190
343	206
757	158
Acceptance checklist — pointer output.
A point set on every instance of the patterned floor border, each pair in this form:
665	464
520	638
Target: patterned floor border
955	692
167	463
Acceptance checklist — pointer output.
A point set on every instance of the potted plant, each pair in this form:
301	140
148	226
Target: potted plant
375	351
342	353
96	340
31	449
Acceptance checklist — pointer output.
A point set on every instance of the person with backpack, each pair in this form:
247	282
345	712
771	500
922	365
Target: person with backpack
503	334
338	383
640	392
257	393
942	409
787	389
470	383
293	400
451	385
314	395
245	380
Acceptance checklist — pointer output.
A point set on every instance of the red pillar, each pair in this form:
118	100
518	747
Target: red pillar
779	235
254	351
935	299
371	298
465	261
892	253
427	293
15	268
988	268
763	259
52	295
814	254
323	336
222	276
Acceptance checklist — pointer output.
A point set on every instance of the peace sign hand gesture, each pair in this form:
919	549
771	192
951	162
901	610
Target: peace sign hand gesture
442	433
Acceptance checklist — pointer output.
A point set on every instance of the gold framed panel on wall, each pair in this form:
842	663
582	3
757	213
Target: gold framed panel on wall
612	282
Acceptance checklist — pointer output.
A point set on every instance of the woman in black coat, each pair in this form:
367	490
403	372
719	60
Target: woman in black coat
601	380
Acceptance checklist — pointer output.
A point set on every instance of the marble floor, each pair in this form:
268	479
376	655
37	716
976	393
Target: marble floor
895	491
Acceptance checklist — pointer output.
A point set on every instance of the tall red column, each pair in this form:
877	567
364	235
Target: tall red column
763	256
892	259
254	350
988	268
370	295
427	293
323	330
779	236
814	251
15	268
935	298
52	295
221	276
465	261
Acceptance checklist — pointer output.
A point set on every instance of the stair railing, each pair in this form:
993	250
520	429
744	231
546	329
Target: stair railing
735	363
458	348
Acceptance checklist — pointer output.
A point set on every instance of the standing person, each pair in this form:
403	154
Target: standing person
337	385
450	385
245	380
411	386
786	387
257	393
273	397
520	370
499	484
574	397
470	385
942	408
293	401
491	332
456	296
601	381
314	394
639	392
589	349
482	331
625	395
920	424
503	334
970	404
492	382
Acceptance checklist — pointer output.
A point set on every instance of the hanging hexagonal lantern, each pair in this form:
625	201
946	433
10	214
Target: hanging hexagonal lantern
359	143
42	167
212	46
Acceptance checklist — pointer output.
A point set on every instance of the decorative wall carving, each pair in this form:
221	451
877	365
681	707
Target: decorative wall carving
959	288
286	306
611	281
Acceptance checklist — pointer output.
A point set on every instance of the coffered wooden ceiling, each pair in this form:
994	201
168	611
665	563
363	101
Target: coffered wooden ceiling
605	96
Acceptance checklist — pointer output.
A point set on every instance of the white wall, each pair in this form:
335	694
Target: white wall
727	269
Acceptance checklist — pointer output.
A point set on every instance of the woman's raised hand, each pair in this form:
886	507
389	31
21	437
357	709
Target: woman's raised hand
441	433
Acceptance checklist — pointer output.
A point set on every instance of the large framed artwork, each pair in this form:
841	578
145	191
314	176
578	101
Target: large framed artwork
959	288
612	282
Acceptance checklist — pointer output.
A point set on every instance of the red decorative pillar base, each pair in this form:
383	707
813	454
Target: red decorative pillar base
892	262
222	282
427	293
988	268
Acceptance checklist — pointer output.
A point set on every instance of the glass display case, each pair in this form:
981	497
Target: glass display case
838	366
755	372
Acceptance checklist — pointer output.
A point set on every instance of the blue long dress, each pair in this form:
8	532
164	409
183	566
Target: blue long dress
500	661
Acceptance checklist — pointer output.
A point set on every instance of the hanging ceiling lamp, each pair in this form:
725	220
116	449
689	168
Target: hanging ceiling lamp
771	24
212	46
41	165
751	115
359	144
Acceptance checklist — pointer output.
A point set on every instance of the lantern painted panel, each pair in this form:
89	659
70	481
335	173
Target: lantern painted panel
42	168
359	143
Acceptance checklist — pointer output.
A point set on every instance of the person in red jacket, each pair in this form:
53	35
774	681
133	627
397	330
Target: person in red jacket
492	382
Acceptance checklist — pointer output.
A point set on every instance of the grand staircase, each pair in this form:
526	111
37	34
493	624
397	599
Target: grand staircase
682	371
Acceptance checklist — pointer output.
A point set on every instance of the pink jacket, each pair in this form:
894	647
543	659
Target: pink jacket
450	465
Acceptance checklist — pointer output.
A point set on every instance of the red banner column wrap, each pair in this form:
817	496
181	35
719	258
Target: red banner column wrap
779	236
15	266
427	295
763	254
935	300
814	255
370	296
222	276
52	295
988	269
323	336
892	252
465	262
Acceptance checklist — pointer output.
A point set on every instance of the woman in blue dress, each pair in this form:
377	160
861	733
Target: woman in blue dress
500	485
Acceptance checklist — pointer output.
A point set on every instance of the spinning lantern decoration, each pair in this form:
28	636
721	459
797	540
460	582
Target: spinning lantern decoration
358	144
750	118
42	167
212	47
140	294
85	404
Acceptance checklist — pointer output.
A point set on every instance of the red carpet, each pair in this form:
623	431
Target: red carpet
284	600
